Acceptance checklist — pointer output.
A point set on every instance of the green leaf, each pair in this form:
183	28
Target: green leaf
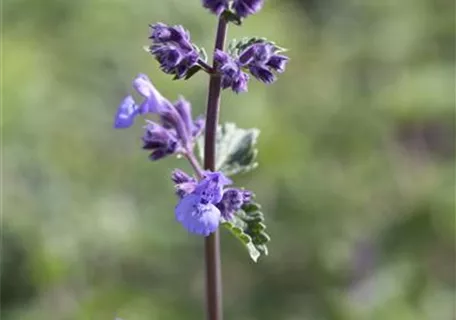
235	47
236	150
250	230
192	71
230	16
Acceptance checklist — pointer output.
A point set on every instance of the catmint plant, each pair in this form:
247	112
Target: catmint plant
207	199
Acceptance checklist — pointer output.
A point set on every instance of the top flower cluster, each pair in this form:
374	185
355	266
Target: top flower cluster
178	56
242	8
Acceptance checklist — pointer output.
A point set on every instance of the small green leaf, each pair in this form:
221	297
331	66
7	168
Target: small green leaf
237	46
235	149
249	230
192	71
230	16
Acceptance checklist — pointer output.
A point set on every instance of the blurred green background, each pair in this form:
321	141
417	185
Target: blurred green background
356	171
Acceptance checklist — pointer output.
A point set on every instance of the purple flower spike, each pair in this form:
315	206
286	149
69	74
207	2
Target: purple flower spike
126	113
244	8
216	6
196	217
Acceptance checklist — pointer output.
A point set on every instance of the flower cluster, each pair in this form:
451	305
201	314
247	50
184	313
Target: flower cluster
242	8
176	131
202	204
231	70
260	59
172	48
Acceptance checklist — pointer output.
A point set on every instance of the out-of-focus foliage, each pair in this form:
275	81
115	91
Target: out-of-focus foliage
356	162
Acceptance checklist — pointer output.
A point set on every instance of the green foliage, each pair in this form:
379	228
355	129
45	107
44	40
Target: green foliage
235	47
236	150
248	226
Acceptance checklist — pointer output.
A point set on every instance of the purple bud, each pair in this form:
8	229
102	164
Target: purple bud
216	6
240	84
161	141
247	55
184	110
221	57
163	34
197	217
278	62
263	52
232	201
178	176
262	74
169	56
184	183
244	8
126	113
198	126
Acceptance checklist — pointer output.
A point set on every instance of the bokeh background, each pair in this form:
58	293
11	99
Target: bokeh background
356	171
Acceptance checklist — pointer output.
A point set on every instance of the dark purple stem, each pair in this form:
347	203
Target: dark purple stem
205	66
212	242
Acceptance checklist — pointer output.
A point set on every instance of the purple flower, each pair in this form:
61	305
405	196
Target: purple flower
261	59
154	102
244	8
230	69
126	113
216	6
196	217
197	209
173	49
176	131
232	201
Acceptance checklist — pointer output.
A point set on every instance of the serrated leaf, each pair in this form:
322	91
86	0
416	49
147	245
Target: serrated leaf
238	46
235	149
249	231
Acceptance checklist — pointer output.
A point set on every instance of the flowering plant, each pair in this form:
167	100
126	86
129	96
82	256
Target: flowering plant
204	200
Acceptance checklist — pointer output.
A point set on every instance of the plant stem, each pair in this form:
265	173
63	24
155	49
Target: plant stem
194	163
212	242
205	66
